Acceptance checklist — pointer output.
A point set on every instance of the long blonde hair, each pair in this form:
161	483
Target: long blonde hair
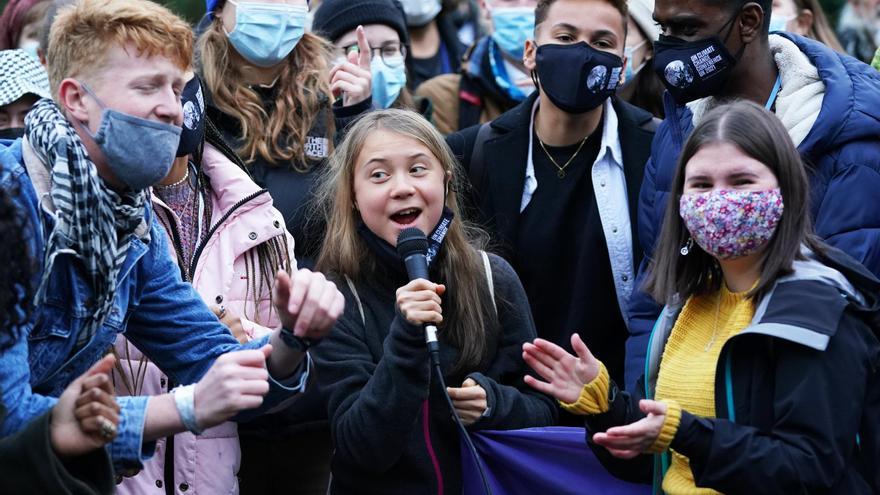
470	319
277	134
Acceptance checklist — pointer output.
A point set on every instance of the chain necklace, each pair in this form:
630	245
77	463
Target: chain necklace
181	181
560	172
715	327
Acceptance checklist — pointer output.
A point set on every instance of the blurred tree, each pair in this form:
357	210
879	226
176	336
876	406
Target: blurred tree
832	9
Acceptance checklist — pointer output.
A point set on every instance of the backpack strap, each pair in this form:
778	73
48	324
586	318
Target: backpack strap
357	299
477	163
488	267
470	103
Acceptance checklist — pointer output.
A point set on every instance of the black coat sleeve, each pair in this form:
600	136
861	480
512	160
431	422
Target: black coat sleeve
819	399
512	403
462	145
363	393
344	116
30	465
623	410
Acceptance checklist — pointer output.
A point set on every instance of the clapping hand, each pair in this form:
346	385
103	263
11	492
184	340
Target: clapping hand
86	416
565	374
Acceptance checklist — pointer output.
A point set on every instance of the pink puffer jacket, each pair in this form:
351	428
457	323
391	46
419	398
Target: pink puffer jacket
208	464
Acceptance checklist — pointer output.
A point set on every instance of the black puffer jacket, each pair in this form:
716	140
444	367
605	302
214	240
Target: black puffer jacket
797	392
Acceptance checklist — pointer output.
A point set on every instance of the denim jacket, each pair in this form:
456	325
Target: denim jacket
163	316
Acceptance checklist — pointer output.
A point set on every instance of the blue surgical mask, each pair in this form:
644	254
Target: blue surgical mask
631	71
266	33
138	151
513	26
780	23
420	12
387	81
31	47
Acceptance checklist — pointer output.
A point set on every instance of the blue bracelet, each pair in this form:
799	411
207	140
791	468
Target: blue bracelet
185	400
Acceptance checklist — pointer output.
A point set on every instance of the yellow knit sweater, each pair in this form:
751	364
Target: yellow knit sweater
687	371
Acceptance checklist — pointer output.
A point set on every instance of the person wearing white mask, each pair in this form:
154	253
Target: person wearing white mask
384	25
435	46
493	78
642	87
806	18
276	96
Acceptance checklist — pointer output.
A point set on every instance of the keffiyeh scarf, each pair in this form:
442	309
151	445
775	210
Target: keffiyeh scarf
92	222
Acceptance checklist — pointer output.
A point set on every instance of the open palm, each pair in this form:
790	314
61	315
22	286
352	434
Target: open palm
564	373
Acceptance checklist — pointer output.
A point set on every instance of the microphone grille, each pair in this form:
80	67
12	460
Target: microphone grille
411	241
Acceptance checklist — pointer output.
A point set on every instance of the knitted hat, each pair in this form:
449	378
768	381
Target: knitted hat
212	5
642	11
21	74
336	17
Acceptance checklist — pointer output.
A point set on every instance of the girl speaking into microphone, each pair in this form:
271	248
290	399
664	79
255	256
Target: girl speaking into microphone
392	429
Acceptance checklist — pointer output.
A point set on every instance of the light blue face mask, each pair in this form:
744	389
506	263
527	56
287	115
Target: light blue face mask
387	81
420	12
139	152
779	23
266	33
631	71
513	26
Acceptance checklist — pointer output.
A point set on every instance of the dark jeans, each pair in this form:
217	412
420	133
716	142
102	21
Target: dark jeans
295	465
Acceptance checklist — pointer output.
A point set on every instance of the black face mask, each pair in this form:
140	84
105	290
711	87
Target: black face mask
12	133
577	78
691	70
193	130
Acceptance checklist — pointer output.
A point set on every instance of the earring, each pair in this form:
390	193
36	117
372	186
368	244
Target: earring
686	249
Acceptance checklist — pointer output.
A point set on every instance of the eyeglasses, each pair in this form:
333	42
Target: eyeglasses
392	53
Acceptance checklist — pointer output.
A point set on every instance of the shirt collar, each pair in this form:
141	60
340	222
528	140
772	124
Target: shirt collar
610	146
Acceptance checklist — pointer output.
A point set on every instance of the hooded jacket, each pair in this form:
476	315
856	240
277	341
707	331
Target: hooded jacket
797	392
830	104
244	218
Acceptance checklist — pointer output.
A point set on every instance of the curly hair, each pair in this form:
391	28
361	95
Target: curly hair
16	268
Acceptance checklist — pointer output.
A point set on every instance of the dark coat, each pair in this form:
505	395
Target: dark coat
30	465
496	194
842	152
797	392
375	368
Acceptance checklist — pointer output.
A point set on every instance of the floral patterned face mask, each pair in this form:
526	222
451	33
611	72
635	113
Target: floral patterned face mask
730	224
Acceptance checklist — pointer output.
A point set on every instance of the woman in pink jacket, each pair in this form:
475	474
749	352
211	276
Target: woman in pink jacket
229	241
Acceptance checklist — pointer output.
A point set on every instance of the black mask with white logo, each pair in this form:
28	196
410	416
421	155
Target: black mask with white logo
577	78
193	129
691	70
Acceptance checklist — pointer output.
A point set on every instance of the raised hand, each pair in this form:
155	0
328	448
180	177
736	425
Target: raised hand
565	374
633	439
307	303
469	401
419	302
353	78
237	381
86	416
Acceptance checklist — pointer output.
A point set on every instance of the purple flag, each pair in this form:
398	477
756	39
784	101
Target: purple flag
537	461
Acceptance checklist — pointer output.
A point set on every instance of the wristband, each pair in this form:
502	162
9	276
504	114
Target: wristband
293	341
185	400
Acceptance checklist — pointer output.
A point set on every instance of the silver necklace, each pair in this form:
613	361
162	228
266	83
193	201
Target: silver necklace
715	327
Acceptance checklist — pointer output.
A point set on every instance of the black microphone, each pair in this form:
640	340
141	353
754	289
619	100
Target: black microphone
412	247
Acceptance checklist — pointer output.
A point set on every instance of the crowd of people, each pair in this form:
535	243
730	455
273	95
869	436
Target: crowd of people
651	221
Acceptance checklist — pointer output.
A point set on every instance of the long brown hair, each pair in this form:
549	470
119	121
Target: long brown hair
470	318
760	135
276	134
820	29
